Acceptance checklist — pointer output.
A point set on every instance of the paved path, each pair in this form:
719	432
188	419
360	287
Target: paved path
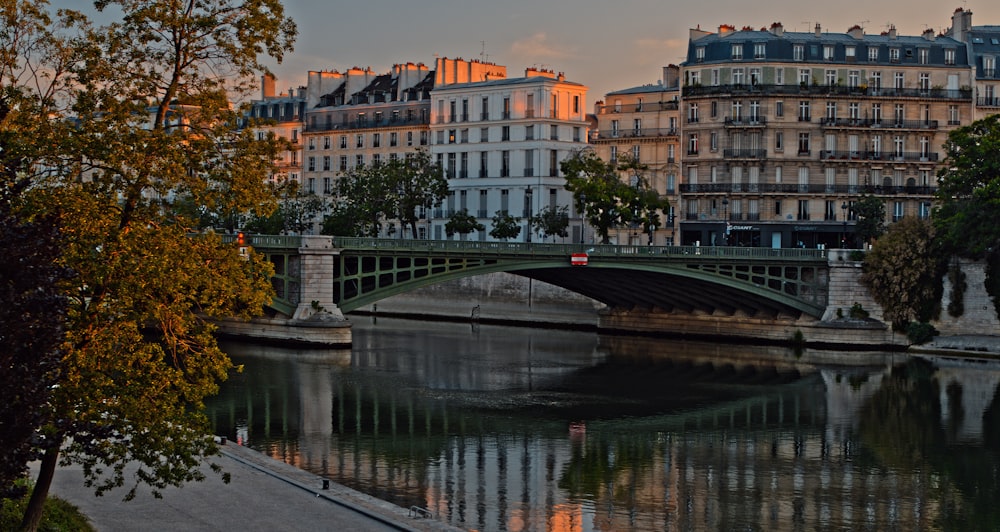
263	495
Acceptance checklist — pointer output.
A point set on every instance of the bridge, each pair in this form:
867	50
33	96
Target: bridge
351	273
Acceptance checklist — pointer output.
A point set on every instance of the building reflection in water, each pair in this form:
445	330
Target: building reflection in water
506	429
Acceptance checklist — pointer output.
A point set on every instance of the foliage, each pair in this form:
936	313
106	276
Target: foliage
956	277
294	215
342	221
57	515
858	312
920	333
505	226
969	190
397	189
903	272
149	119
552	221
463	223
870	213
993	279
605	199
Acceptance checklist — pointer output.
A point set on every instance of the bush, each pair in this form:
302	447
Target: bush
57	516
857	255
858	312
920	332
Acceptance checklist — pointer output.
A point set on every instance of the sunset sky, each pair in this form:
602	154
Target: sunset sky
607	45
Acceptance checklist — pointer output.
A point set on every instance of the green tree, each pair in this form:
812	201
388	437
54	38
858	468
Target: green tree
463	223
552	221
903	272
505	226
607	200
870	214
342	221
295	213
150	119
368	193
969	190
419	184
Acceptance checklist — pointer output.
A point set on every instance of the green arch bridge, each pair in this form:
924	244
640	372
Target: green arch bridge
355	272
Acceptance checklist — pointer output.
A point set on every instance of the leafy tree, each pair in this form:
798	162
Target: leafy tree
505	226
607	200
342	221
294	215
969	190
903	272
552	221
463	223
419	183
870	212
150	120
369	195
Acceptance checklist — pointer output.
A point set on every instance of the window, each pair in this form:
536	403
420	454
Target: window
529	106
854	110
873	54
393	139
898	211
876	113
576	104
312	185
614	128
755	76
737	51
636	126
692	144
484	113
898	113
779	76
529	132
989	66
831	111
452	114
759	50
738	76
636	153
893	55
953	115
576	134
853	76
553	163
779	108
949	56
326	163
875	82
505	163
828	52
779	141
714	109
699	54
713	139
529	163
343	163
505	133
311	164
831	78
923	55
506	108
925	81
360	141
803	143
715	77
484	134
312	143
327	188
850	53
897	80
376	140
359	160
692	113
614	153
898	146
804	114
326	143
798	52
483	159
803	209
804	75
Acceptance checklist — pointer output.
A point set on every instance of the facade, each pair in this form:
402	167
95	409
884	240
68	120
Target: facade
643	123
784	131
984	51
500	142
281	114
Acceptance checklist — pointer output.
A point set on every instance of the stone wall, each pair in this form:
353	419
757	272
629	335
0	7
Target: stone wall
979	316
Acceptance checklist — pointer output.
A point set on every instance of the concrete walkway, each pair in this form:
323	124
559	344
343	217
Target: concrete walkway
263	495
961	345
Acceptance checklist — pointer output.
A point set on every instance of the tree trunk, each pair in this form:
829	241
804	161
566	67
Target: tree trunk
33	513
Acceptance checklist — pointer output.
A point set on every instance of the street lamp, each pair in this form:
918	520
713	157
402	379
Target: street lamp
843	236
583	218
725	220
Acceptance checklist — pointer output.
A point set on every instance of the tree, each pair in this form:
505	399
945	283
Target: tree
342	221
969	190
463	223
420	184
294	215
605	199
903	272
870	213
552	221
150	119
370	195
505	226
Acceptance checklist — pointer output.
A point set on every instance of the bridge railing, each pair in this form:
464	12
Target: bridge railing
552	249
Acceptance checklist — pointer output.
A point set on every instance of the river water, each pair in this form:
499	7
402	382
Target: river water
501	428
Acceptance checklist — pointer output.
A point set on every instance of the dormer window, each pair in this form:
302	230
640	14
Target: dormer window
798	52
759	50
699	53
893	55
737	52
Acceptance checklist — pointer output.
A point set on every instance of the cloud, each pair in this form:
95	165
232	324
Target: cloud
538	46
659	51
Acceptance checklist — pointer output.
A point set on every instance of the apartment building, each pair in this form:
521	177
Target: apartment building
643	123
784	131
500	143
984	51
281	114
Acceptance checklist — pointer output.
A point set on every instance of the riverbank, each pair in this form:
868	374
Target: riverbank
263	495
982	346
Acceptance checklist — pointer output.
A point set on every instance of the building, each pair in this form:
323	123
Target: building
281	114
984	50
784	131
643	124
500	143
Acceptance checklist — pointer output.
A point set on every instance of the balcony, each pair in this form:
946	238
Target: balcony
815	189
830	155
644	107
988	102
647	132
369	124
744	154
878	123
824	90
745	121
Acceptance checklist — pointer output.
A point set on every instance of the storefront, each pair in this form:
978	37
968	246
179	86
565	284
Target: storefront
764	234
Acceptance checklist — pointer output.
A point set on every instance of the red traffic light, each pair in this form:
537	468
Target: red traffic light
241	239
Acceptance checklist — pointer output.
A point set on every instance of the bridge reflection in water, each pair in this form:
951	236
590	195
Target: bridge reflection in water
532	430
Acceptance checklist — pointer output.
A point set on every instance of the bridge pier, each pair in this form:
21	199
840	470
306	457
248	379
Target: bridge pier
316	279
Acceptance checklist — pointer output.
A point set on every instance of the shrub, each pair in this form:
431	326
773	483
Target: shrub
858	312
920	332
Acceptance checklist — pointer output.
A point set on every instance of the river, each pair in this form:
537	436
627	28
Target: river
501	428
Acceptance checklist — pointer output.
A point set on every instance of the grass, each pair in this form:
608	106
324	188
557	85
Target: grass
58	516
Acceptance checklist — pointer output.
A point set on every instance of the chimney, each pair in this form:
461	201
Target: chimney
671	76
856	32
961	24
928	34
267	83
777	29
819	33
892	33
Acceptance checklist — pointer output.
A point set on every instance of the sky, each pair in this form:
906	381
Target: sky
606	45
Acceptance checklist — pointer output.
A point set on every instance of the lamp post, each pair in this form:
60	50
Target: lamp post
843	235
725	221
583	218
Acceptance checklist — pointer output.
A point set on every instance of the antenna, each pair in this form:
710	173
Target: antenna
482	52
863	23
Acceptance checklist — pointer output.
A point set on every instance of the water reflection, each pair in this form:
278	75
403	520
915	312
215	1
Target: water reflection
507	429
